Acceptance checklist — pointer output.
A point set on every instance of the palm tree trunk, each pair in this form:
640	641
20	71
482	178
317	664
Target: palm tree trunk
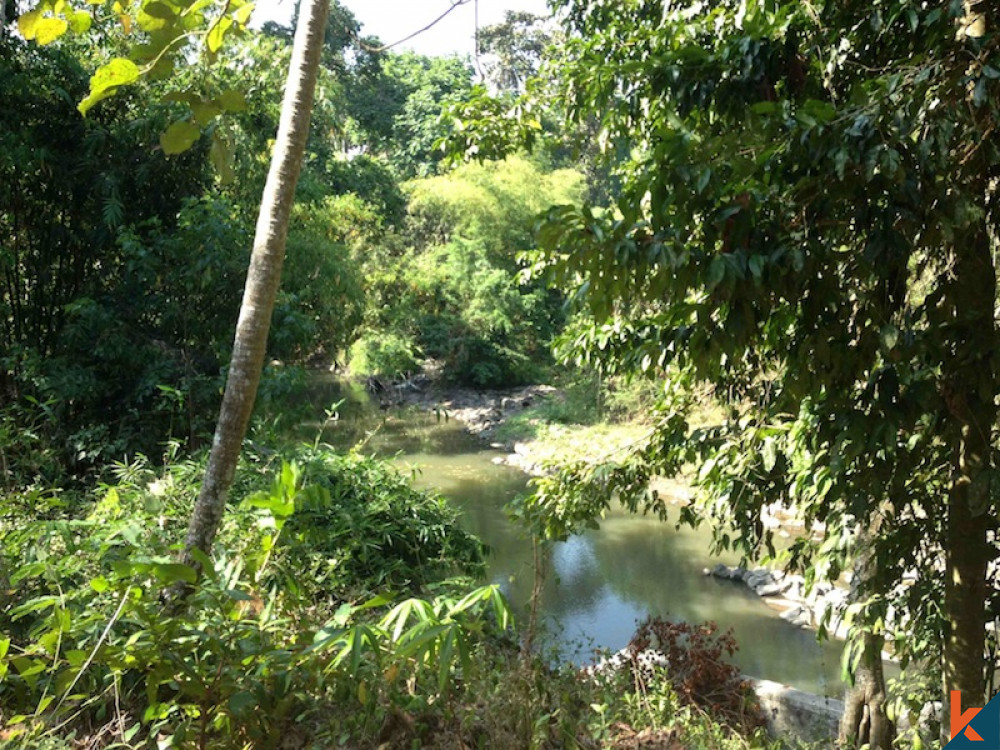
263	278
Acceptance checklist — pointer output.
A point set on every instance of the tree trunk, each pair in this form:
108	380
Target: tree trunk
865	722
968	387
263	278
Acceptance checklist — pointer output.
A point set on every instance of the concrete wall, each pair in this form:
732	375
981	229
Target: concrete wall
793	714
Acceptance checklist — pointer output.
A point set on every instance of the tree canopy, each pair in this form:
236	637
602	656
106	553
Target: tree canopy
804	224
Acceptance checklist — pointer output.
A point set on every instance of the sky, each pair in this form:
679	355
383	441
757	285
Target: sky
391	20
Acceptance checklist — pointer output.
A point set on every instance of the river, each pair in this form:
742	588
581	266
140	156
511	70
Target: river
599	584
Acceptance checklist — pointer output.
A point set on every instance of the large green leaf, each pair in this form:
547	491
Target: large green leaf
179	137
107	79
36	26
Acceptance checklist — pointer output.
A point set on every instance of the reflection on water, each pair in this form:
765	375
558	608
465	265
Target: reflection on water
601	583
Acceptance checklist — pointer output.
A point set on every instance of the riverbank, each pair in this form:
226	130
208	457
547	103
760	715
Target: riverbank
534	425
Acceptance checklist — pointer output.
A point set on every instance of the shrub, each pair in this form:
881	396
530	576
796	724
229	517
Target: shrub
693	659
388	355
87	646
361	529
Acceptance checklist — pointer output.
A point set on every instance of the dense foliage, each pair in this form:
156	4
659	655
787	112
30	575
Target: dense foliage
791	218
87	634
804	225
453	294
123	263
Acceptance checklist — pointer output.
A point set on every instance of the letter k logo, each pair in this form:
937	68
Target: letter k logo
960	721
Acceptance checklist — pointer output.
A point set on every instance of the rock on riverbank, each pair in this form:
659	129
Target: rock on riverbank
786	592
480	411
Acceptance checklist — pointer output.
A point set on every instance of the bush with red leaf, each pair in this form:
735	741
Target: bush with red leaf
695	661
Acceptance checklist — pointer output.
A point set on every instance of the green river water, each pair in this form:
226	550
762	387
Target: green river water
601	583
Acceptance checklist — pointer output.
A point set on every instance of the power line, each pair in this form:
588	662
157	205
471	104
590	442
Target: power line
418	32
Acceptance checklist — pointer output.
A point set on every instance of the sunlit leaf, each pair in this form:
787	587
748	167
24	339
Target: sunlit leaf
80	22
217	34
27	23
179	137
221	157
47	30
107	79
242	15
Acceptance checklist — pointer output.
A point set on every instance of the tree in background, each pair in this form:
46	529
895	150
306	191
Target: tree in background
513	49
447	287
122	257
400	108
72	191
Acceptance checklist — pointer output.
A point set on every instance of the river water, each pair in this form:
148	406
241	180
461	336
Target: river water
601	583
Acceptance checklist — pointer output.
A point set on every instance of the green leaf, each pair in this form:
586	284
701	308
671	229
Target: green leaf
716	272
232	101
379	600
217	34
173	572
33	605
160	10
30	570
185	97
107	79
764	108
769	454
242	15
207	566
127	568
179	137
76	657
445	659
703	179
158	26
4	647
99	584
890	336
205	112
241	703
276	505
47	30
80	22
819	110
